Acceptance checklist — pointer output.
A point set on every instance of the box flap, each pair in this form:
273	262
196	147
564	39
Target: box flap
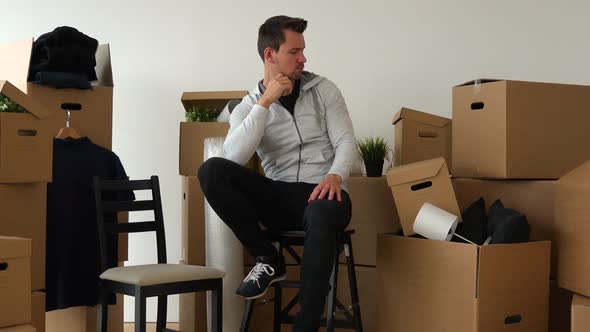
578	176
15	247
579	300
513	268
210	99
422	117
31	105
414	171
14	64
104	71
480	80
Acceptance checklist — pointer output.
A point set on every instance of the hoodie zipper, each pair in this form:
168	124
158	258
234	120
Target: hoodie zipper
300	143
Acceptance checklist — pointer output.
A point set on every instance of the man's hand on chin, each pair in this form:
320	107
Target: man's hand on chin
330	185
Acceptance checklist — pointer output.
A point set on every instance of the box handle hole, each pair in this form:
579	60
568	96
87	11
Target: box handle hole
427	134
26	132
477	106
3	266
514	319
71	107
421	186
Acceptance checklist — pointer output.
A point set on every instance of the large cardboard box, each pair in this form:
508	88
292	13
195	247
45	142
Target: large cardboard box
560	301
519	130
373	212
26	141
83	319
572	215
19	328
192	134
580	313
91	110
38	311
422	182
262	316
535	199
193	312
23	214
441	286
420	136
15	281
192	221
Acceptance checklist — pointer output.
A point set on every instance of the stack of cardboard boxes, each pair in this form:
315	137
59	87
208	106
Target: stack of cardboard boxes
25	167
15	285
193	308
520	142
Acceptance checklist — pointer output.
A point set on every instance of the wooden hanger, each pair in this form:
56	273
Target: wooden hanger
67	131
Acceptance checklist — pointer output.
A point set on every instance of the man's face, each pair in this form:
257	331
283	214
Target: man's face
289	60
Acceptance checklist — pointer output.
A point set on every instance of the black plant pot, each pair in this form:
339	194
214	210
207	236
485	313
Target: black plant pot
374	167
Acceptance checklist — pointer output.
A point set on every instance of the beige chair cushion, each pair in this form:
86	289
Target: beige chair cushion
154	274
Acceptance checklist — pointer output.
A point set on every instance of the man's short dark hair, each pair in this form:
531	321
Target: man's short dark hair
271	33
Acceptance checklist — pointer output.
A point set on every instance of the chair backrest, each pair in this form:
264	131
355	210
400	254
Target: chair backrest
108	202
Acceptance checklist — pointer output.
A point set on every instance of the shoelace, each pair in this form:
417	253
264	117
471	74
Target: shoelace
256	272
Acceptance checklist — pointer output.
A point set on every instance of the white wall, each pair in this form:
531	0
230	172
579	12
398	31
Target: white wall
383	54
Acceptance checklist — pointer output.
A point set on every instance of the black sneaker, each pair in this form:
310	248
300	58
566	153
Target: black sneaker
267	271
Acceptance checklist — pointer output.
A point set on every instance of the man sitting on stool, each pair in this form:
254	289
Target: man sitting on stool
299	125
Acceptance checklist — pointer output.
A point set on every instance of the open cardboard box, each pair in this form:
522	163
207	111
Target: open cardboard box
91	110
421	182
26	140
192	134
427	285
420	136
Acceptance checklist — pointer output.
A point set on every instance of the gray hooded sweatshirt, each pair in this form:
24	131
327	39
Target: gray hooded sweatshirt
317	140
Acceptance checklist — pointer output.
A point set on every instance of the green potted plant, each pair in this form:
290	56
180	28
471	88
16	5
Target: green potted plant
201	114
8	105
373	150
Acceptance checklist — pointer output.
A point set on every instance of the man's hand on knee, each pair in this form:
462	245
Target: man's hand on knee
330	185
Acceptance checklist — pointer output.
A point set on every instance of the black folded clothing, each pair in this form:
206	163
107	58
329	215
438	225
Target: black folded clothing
64	50
474	224
507	225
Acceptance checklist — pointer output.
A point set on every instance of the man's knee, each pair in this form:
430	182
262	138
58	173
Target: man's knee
211	170
326	216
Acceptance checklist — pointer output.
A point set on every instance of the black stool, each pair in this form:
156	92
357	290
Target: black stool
352	314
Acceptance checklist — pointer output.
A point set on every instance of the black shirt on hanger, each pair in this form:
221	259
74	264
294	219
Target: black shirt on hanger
72	258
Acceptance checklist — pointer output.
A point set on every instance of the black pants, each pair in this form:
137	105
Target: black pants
242	198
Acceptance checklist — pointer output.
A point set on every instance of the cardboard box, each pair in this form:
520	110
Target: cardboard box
373	213
83	319
427	285
580	313
38	311
560	301
23	214
414	184
193	221
572	214
19	328
193	312
192	134
519	130
91	110
262	316
26	141
420	136
15	281
535	199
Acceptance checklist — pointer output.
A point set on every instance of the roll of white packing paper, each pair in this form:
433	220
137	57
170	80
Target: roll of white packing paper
435	223
223	251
